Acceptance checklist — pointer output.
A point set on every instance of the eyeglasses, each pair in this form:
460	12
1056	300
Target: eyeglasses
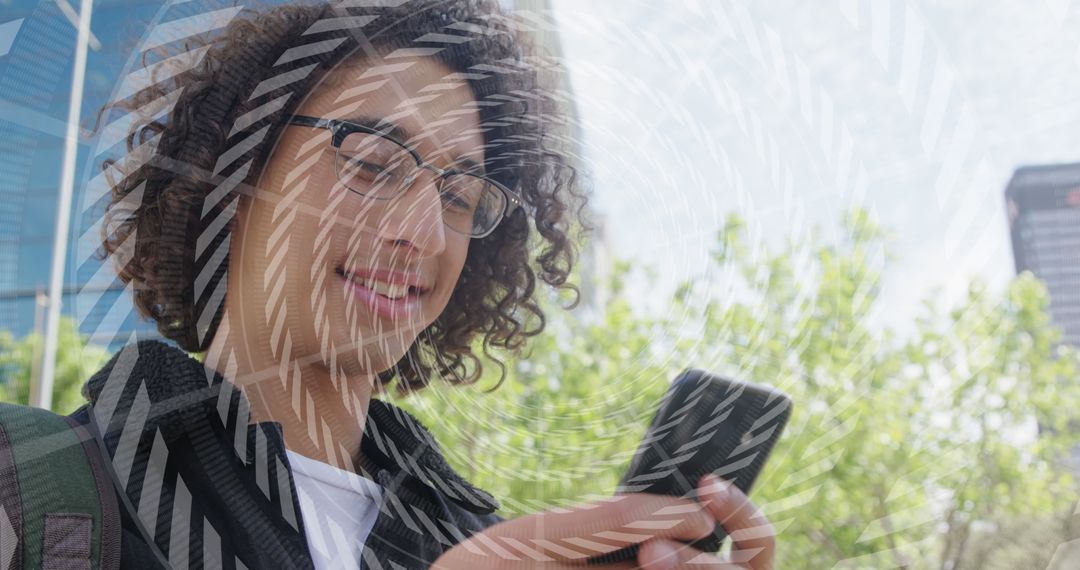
371	163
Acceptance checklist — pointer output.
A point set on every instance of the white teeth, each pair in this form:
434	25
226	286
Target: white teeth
384	289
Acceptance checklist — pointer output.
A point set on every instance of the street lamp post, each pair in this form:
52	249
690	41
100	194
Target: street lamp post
42	395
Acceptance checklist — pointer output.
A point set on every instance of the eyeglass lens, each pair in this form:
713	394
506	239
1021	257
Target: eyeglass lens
376	167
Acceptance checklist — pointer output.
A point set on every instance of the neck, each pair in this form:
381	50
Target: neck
322	412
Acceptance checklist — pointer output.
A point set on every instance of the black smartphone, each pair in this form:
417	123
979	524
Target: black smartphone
705	424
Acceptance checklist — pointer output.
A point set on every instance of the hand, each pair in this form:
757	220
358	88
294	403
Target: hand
566	538
752	535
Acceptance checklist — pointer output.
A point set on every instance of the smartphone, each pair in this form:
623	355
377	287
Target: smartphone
704	424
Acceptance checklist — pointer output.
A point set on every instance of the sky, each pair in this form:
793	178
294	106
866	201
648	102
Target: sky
790	112
785	112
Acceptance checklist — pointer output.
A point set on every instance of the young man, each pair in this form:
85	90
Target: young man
341	199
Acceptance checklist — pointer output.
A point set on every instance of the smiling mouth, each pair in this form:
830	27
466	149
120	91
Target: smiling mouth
391	291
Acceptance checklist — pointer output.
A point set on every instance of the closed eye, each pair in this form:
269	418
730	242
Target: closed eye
457	201
353	163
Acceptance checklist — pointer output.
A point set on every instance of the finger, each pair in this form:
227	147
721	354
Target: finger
453	561
592	529
663	554
627	565
752	535
459	558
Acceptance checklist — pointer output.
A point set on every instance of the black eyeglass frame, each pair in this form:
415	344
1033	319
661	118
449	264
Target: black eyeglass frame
340	129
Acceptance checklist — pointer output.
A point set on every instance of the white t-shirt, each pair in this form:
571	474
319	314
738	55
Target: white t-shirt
339	509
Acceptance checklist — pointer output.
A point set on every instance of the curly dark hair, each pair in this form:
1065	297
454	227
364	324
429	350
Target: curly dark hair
257	62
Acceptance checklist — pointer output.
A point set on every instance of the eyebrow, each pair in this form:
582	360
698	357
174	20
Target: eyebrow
403	135
385	127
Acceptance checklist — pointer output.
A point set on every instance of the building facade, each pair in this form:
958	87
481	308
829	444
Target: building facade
1044	218
37	43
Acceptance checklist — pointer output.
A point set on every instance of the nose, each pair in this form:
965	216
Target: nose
415	217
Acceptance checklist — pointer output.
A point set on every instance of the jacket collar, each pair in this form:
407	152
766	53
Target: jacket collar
174	393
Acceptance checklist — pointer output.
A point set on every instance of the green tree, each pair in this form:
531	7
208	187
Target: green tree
75	362
904	451
898	449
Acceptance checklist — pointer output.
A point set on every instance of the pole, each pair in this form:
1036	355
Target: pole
41	301
43	396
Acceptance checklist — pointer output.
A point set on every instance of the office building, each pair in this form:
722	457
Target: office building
1044	218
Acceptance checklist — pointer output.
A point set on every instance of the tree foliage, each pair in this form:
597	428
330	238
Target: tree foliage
913	450
75	362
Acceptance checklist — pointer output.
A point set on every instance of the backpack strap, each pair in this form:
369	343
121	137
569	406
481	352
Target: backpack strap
59	507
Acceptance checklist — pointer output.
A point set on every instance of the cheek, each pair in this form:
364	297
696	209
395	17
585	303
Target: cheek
296	266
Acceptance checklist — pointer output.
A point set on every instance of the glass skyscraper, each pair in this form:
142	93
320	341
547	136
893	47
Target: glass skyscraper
37	45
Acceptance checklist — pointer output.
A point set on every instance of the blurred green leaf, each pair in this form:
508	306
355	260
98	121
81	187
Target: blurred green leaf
75	362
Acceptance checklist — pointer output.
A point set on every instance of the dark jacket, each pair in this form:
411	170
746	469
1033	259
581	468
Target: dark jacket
216	492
